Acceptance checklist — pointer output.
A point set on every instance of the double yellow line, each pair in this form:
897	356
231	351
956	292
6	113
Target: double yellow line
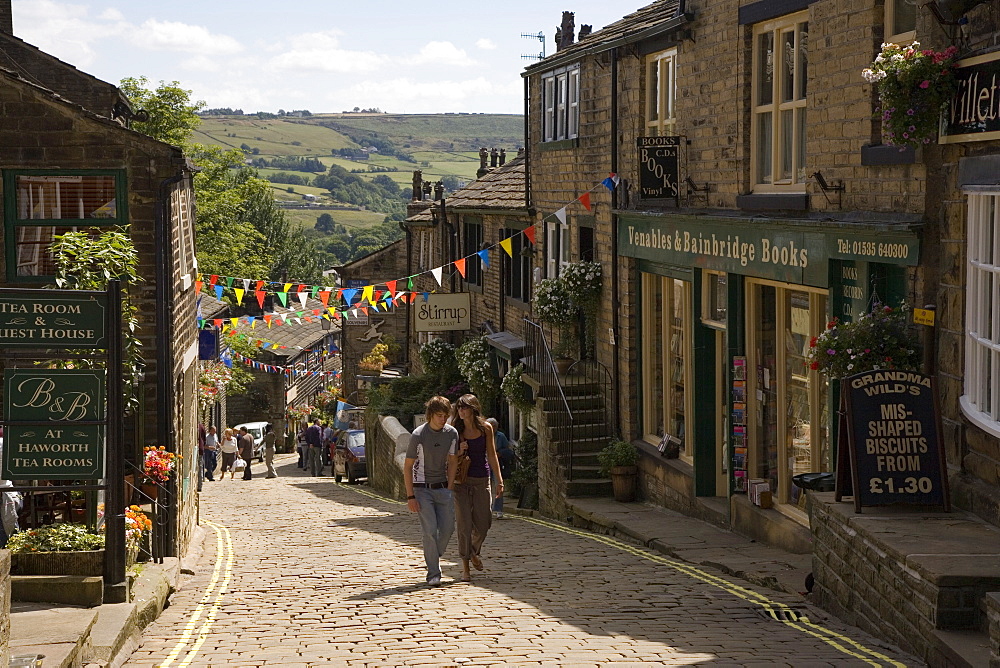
200	624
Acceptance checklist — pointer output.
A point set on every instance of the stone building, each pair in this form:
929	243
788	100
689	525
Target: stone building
68	160
755	202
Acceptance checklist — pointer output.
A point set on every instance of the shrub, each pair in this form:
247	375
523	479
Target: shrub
617	453
438	357
473	359
56	538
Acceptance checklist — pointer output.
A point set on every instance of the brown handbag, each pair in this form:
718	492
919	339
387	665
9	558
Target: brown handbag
462	470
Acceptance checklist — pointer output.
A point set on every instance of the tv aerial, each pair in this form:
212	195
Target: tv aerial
541	38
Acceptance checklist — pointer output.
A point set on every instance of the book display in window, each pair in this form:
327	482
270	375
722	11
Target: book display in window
739	424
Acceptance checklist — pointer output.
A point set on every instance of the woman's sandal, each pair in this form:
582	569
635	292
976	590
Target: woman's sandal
477	562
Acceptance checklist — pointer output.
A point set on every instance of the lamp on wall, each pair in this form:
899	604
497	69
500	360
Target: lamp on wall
952	12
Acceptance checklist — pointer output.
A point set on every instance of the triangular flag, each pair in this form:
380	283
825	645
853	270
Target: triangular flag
303	296
484	256
246	284
364	309
288	287
377	296
507	245
561	215
585	200
260	285
349	295
235	321
229	281
436	272
260	294
218	292
608	183
413	297
409	283
267	319
529	233
324	296
239	295
426	295
213	280
218	322
366	294
283	298
391	286
198	285
460	265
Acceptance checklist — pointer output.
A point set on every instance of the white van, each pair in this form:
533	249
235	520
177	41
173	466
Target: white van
256	431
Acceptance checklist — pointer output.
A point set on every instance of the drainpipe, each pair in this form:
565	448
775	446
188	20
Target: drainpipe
527	143
165	399
409	326
616	357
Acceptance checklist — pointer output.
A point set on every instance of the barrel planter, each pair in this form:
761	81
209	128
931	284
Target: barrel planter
624	480
89	562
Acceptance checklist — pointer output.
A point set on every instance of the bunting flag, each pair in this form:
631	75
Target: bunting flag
484	257
529	233
349	295
239	295
561	215
460	265
436	271
283	298
585	200
260	294
507	245
391	286
218	292
303	296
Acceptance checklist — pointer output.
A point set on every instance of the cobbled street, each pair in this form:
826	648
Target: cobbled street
300	571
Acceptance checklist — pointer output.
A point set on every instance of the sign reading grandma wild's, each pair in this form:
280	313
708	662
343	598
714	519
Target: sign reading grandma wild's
443	312
895	439
974	112
43	438
58	321
658	171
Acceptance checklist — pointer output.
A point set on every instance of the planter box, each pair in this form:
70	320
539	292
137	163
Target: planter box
57	563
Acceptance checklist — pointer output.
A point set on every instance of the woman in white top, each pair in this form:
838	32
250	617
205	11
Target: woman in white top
229	449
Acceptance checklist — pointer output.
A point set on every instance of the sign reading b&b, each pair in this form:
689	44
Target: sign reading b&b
43	437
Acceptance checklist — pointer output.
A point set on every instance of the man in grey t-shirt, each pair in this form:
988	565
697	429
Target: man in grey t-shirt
429	472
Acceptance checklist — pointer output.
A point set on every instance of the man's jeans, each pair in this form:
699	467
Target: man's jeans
210	464
437	522
315	459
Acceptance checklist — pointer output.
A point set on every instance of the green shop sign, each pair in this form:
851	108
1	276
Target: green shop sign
974	112
43	436
53	322
792	253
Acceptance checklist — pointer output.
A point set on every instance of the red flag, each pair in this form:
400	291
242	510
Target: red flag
302	286
391	286
260	294
218	322
529	232
378	293
213	280
324	296
364	309
198	285
460	265
260	285
585	199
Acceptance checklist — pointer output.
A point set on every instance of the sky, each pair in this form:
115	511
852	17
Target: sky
321	55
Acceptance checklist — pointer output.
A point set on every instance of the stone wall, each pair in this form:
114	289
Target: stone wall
4	607
385	451
993	615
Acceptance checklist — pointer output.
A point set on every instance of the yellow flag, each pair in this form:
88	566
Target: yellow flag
507	245
288	287
239	295
235	322
368	294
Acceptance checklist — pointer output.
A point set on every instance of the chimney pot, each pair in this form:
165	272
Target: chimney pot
6	17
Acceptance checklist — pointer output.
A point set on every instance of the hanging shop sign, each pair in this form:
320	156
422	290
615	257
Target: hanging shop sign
43	437
974	113
443	313
659	173
793	253
894	440
36	321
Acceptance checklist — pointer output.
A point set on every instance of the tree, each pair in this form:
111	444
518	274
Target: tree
172	115
325	223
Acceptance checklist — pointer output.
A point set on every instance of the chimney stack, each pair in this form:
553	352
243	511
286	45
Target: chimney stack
565	32
503	156
6	17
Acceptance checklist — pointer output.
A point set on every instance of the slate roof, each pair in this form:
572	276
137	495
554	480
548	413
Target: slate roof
643	22
502	188
306	335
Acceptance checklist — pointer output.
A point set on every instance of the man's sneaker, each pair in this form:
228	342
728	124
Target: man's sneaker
434	581
500	515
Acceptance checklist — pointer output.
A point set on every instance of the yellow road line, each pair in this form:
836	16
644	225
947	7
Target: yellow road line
210	600
800	622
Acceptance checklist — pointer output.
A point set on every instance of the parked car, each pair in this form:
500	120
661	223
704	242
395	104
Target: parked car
349	456
256	431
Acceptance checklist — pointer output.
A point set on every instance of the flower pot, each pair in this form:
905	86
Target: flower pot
624	480
150	491
563	364
89	562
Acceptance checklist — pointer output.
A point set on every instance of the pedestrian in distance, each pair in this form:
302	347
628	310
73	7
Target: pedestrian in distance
429	474
211	453
329	436
269	439
246	452
314	441
507	457
229	448
473	498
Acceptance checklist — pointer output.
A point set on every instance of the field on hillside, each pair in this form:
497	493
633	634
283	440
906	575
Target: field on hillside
439	132
349	218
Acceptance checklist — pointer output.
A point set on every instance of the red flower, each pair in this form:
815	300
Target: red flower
814	365
812	342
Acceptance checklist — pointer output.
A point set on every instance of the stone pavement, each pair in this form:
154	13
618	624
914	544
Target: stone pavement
299	571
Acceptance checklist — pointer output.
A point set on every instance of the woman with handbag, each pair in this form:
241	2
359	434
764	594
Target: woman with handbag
473	497
229	448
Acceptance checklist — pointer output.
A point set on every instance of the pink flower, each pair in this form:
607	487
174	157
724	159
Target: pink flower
925	83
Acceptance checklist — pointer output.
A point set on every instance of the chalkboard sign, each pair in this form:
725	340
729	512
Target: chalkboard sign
894	435
658	171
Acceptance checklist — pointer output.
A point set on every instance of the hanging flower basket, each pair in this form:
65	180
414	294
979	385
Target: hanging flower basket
879	339
914	85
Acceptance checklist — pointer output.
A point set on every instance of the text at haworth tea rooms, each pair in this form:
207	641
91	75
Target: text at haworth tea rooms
787	254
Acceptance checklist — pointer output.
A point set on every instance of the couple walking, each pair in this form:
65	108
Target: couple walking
429	470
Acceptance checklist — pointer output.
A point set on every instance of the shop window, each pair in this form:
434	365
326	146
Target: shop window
182	218
661	87
778	128
43	204
981	398
900	21
714	299
561	104
516	269
789	420
666	372
472	243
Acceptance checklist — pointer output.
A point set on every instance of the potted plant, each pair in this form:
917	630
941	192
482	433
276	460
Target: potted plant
516	391
914	85
879	339
618	459
375	360
158	465
553	305
57	549
473	358
583	281
137	525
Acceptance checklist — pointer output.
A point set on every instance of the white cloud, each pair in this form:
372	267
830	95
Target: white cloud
486	44
321	52
62	29
176	36
441	54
